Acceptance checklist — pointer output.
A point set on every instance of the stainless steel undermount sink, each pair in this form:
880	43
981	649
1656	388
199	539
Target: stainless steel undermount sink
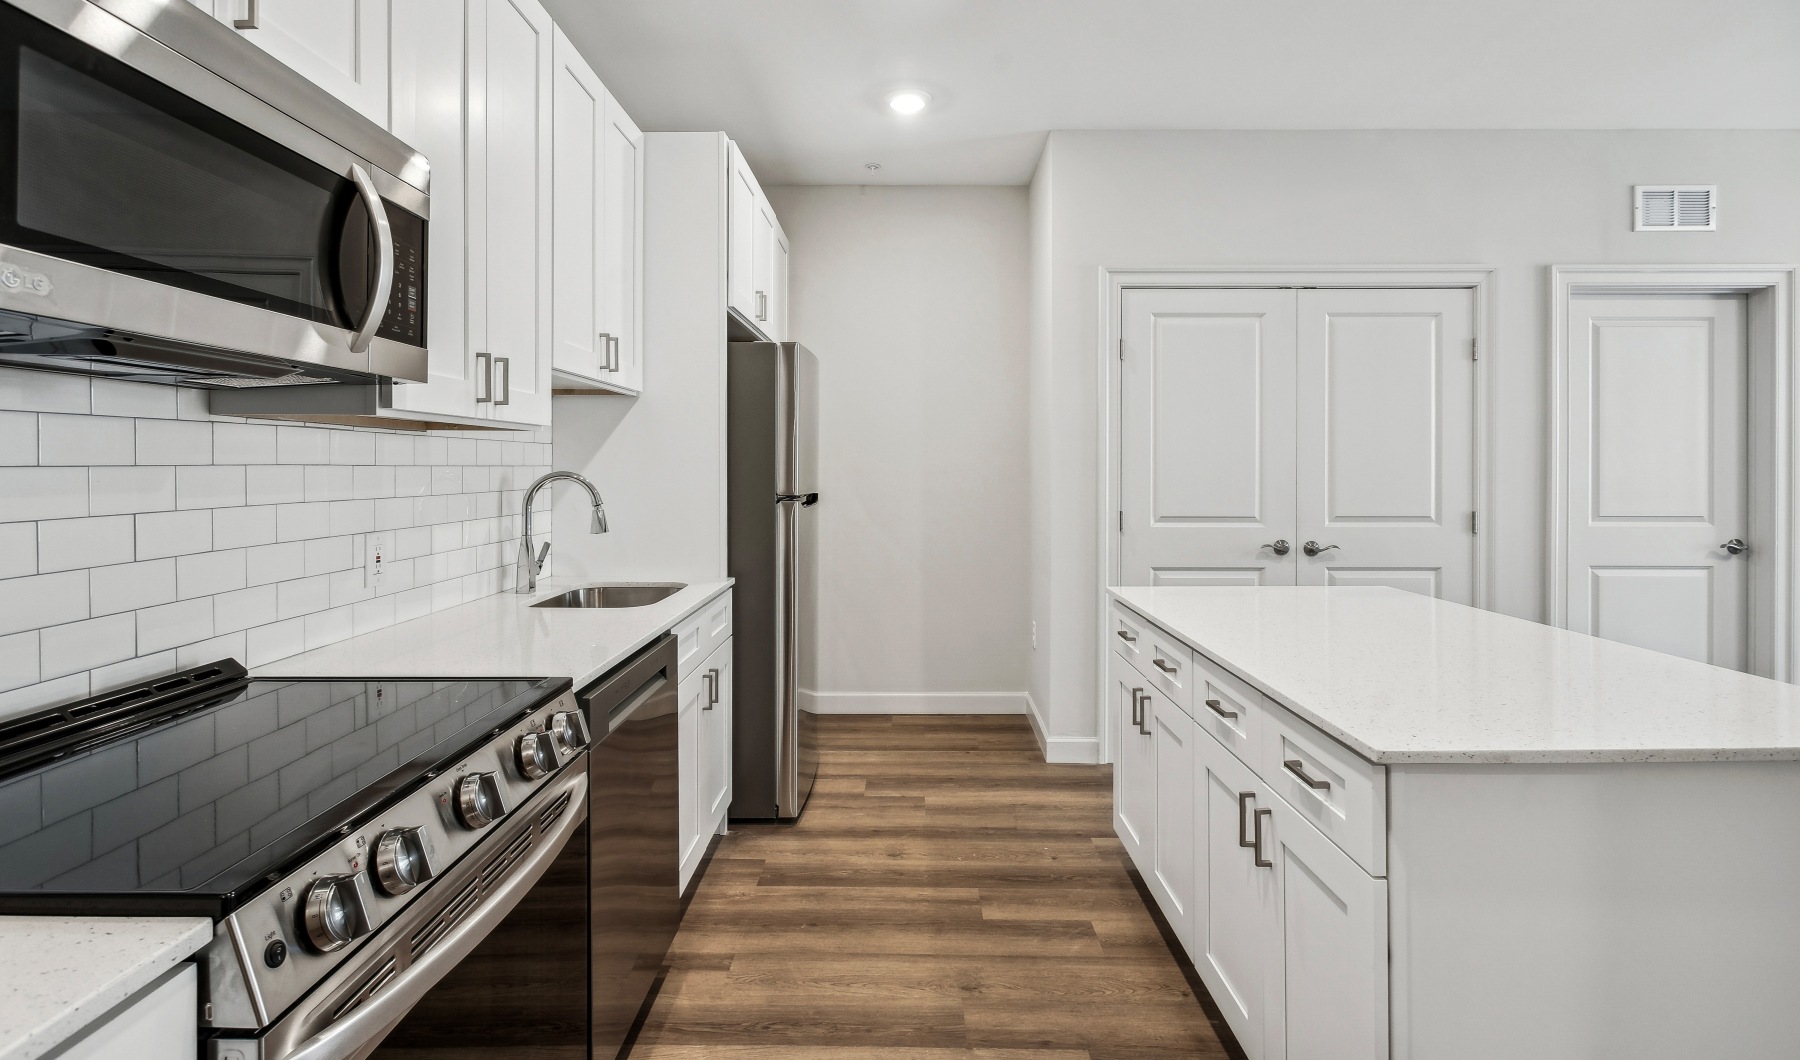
622	594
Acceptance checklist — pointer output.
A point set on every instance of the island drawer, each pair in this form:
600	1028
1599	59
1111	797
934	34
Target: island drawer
702	632
1343	794
1229	709
1130	635
1168	664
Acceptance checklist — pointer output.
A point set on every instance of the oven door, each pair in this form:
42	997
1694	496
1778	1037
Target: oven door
149	209
492	961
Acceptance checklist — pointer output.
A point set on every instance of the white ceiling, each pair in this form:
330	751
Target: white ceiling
800	83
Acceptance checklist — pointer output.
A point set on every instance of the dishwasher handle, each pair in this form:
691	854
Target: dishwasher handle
632	689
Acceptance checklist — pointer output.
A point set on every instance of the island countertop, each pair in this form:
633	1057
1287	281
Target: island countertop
1402	678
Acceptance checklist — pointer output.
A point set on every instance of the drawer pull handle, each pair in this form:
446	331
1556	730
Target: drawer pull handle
1261	862
1220	710
1298	768
1166	668
1126	636
1244	798
1137	708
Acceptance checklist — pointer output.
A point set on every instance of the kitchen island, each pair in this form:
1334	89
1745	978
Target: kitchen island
1387	825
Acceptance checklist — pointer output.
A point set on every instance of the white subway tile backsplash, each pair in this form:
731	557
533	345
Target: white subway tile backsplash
124	490
173	625
18	549
162	534
139	534
87	645
174	442
42	493
132	586
69	544
217	486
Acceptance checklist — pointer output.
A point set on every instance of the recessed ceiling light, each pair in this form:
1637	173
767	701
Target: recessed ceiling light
908	101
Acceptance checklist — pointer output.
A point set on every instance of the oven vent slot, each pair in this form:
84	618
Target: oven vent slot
438	926
368	989
552	813
502	863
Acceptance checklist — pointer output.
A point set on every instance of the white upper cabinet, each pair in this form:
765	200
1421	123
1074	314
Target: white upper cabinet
340	45
622	262
778	298
757	252
509	191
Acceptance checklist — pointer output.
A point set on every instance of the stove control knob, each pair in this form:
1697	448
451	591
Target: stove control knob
478	800
401	860
570	730
331	915
535	755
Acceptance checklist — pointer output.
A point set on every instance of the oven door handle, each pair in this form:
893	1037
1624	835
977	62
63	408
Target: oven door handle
384	260
373	1019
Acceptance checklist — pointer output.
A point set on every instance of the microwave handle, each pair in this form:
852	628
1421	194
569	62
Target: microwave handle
384	266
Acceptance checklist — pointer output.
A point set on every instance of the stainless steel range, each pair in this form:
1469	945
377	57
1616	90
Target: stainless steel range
353	841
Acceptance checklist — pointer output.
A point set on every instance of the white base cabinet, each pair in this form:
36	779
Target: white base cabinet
161	1023
703	726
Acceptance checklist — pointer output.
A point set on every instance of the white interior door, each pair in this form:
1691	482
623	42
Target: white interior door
1206	437
1658	473
1386	454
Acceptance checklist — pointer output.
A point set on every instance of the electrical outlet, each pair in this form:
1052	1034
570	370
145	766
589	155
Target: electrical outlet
376	549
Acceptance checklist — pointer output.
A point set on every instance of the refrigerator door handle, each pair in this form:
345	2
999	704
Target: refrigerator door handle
807	500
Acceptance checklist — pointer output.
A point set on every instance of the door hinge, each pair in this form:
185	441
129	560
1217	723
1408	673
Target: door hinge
1121	349
1121	522
1474	349
1474	528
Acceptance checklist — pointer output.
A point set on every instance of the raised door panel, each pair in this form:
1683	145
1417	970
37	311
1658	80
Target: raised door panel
430	70
1658	474
1385	460
742	195
1206	437
509	203
339	45
693	698
579	234
1134	793
1235	927
762	244
622	263
1173	740
715	741
1334	940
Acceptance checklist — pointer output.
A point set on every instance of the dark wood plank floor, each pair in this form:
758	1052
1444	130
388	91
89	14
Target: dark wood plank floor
945	895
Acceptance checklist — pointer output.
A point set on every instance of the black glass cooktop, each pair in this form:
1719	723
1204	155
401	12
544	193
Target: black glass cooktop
183	794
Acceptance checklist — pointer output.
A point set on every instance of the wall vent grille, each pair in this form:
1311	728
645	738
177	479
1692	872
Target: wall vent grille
1676	208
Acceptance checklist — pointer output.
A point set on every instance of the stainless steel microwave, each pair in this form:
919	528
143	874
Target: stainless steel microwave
177	207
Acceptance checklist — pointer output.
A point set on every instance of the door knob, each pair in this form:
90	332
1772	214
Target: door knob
1735	546
1279	546
1313	548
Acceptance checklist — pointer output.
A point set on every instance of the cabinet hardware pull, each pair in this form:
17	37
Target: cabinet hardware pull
1219	709
605	352
1127	637
613	341
1297	767
1244	798
712	687
1137	715
1279	546
706	700
252	15
1313	548
484	372
1256	840
504	363
1165	667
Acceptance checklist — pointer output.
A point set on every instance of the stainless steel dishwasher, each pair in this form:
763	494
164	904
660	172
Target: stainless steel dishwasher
633	821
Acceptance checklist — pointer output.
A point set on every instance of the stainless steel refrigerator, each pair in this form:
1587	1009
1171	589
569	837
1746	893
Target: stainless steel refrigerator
773	460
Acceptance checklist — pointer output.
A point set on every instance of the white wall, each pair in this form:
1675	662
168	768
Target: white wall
915	301
140	535
1518	200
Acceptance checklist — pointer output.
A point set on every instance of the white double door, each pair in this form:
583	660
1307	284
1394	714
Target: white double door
1659	474
1258	420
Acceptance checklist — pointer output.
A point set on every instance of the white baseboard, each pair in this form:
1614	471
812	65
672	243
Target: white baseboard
913	702
1079	750
1037	725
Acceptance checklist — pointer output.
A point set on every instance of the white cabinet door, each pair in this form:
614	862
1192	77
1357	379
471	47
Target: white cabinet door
622	258
693	699
429	83
715	742
1235	930
778	301
762	249
510	62
1173	738
162	1023
579	344
1134	768
742	198
1334	938
339	45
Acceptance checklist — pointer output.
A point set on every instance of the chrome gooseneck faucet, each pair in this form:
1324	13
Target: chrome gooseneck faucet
529	564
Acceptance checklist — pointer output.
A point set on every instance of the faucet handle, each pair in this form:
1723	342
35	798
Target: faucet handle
538	563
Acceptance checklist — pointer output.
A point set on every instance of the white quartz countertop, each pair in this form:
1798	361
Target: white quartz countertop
503	636
59	974
1402	678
